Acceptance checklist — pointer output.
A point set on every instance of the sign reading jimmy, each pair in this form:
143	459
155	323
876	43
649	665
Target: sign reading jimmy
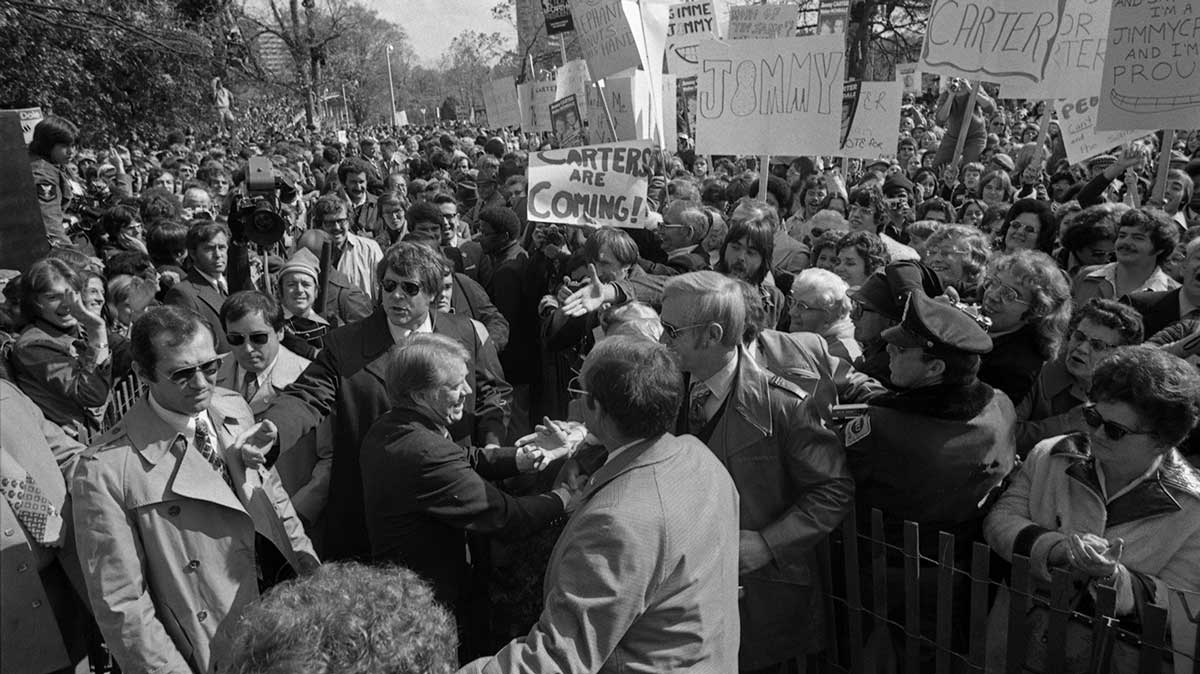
568	123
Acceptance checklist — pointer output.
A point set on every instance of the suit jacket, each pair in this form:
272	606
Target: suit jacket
196	293
510	291
791	473
423	492
347	381
1159	308
304	468
470	299
168	549
346	302
36	602
644	576
365	217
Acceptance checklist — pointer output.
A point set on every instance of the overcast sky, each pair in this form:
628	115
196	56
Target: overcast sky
431	24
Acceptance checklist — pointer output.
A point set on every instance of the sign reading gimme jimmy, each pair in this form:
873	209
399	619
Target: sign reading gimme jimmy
593	185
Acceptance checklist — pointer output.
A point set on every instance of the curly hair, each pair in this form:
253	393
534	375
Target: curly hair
1047	231
1163	389
1050	309
1091	225
759	234
1110	314
975	244
345	618
1162	230
353	165
869	247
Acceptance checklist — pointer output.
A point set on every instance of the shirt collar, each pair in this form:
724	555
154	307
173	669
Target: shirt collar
613	453
722	380
1150	472
311	315
181	423
262	377
399	333
212	280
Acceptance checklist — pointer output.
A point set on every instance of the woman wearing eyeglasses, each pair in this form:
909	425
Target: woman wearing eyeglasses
62	359
1029	225
1026	297
1115	505
1055	404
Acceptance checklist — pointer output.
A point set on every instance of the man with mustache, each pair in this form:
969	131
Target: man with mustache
1145	239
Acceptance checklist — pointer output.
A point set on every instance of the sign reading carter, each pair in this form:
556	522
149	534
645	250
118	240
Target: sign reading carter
594	185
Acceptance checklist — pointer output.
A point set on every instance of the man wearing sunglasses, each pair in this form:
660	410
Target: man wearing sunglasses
173	528
347	382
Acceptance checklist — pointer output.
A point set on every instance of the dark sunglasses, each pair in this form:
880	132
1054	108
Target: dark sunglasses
185	374
256	338
1112	430
410	288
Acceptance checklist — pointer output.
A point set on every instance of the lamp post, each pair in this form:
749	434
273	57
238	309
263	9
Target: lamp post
391	85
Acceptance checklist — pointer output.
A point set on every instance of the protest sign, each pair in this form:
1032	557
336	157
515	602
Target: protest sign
342	137
849	107
689	22
762	22
628	96
833	16
539	107
525	100
873	128
29	119
909	77
1151	75
1077	56
779	97
558	16
1002	41
400	118
567	122
572	79
593	185
1077	123
606	34
670	128
501	102
598	129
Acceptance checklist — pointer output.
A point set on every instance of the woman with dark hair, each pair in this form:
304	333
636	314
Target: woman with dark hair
825	249
1029	225
51	149
1089	237
835	202
1054	404
996	188
122	231
859	254
1114	505
61	359
972	213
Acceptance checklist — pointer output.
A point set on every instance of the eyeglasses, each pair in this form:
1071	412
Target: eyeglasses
1015	226
797	305
410	288
575	388
185	374
1096	344
1002	292
256	338
673	332
1112	430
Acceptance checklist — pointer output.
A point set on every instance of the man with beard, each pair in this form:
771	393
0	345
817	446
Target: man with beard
746	256
353	173
353	255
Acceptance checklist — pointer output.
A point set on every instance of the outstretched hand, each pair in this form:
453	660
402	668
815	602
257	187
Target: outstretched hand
590	297
255	442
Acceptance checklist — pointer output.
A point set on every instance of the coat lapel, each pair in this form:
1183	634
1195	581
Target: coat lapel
376	341
746	418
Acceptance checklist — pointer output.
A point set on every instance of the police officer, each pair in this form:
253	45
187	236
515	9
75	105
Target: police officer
932	451
52	147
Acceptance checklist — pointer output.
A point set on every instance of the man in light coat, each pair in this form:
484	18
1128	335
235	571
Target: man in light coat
644	576
39	571
171	521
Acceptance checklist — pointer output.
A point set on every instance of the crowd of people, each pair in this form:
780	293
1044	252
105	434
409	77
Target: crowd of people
376	419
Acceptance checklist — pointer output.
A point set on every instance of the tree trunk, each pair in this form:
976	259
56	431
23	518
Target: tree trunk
860	41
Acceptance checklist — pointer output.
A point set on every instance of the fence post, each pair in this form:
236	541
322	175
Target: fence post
854	607
1102	629
825	562
1060	615
912	598
879	572
1154	633
1020	595
980	585
945	601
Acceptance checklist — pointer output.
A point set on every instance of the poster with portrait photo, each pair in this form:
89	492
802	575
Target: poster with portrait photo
568	122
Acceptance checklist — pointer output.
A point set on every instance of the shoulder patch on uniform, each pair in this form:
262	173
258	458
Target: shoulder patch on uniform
47	192
790	387
857	429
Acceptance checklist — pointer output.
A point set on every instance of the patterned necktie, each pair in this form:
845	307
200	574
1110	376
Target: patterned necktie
222	287
204	445
699	397
249	386
34	511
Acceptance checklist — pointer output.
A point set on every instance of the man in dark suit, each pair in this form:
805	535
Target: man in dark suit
1160	309
348	380
204	289
684	226
423	492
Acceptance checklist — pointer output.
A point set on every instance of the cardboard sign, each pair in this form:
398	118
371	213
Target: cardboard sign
594	185
21	230
1151	75
400	118
875	126
755	96
834	14
572	80
29	119
689	22
1003	41
762	22
568	123
502	103
1077	123
606	34
1077	56
525	100
849	107
539	106
670	129
342	137
628	97
558	16
909	77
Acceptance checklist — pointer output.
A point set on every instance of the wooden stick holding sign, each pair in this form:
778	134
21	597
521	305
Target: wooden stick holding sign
1043	131
1132	196
612	127
965	128
1164	165
764	176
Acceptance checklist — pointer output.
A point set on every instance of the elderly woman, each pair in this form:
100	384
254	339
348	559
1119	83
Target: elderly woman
1054	405
1029	225
1026	297
61	359
423	492
958	254
860	254
1116	505
820	304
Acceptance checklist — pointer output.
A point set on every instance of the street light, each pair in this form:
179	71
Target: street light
391	84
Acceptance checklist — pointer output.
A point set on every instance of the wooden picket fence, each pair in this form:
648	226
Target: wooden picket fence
124	394
851	618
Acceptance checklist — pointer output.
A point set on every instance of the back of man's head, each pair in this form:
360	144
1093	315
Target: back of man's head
636	384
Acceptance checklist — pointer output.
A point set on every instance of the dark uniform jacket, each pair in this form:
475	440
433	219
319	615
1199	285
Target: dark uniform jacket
1013	363
53	196
932	455
196	293
1159	308
803	358
348	380
423	493
790	472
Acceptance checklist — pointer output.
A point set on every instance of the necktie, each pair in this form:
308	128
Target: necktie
222	287
699	397
34	511
204	445
249	386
